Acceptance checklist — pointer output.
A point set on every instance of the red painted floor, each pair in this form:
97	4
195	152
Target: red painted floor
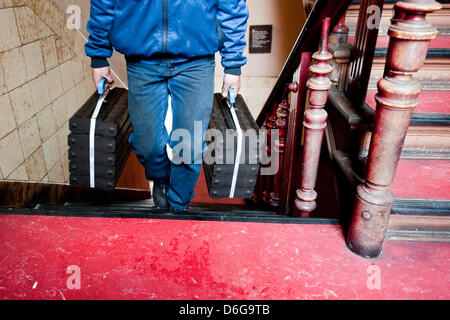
429	101
168	259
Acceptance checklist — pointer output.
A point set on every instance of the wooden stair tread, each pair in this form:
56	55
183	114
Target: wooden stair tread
422	179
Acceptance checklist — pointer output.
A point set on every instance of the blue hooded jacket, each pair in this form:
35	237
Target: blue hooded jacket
181	29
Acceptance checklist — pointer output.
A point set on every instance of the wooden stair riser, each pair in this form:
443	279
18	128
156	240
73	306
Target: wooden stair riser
434	73
422	142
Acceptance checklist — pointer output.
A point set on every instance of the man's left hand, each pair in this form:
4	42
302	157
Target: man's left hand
230	81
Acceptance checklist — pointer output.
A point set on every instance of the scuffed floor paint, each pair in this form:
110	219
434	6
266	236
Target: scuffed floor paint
169	259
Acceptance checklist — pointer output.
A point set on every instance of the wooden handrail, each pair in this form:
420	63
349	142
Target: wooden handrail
410	34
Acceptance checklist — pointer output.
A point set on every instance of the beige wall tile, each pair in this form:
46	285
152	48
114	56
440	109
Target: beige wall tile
72	102
56	174
43	30
40	92
1	174
63	133
33	59
11	155
22	104
19	174
89	88
67	76
30	138
49	52
46	122
39	8
3	88
83	92
56	18
87	70
14	68
26	23
7	122
54	82
78	46
80	93
62	50
51	151
18	3
77	69
69	36
5	3
9	35
36	166
65	166
60	110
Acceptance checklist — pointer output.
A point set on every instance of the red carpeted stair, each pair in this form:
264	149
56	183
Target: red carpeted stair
167	259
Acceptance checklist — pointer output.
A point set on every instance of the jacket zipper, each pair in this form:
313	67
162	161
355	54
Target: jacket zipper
165	26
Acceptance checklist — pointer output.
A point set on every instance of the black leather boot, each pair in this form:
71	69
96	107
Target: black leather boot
160	195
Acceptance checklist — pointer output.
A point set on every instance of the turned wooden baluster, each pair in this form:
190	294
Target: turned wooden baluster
410	34
281	124
364	45
259	188
268	179
314	123
341	51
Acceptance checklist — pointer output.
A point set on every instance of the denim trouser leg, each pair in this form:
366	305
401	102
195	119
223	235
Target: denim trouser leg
147	106
191	87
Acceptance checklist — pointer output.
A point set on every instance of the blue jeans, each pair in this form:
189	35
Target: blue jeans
191	87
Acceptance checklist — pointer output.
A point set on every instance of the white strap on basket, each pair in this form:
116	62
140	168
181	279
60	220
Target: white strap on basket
92	140
238	152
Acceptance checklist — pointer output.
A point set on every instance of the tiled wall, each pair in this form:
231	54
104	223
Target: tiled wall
44	79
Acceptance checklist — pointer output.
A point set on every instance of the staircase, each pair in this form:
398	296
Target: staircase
324	195
422	181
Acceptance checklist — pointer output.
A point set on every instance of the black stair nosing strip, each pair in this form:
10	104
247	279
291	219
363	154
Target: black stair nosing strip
149	205
421	207
159	214
217	210
430	119
427	85
432	52
418	235
425	154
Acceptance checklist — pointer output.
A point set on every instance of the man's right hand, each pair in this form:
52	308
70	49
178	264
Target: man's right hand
99	73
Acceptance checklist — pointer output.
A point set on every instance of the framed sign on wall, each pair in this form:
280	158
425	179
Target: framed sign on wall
260	39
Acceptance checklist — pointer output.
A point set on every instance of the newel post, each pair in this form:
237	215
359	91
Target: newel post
410	34
314	123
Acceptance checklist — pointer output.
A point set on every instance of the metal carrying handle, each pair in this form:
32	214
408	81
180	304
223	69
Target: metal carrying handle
101	86
231	96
